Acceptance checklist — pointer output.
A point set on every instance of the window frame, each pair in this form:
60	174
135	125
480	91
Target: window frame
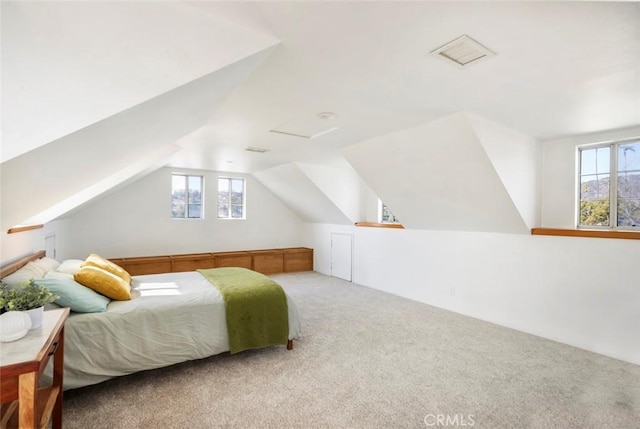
613	185
229	210
187	203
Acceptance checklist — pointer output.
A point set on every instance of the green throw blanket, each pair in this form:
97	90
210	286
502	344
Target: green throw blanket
256	308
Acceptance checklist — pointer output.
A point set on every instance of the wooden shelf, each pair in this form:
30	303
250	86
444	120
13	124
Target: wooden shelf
265	261
23	228
380	225
595	233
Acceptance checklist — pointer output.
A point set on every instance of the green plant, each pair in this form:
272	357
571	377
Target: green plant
26	297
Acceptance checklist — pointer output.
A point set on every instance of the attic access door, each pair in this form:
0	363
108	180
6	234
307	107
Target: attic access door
50	246
341	255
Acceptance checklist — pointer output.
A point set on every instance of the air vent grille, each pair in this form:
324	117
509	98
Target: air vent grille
463	51
256	149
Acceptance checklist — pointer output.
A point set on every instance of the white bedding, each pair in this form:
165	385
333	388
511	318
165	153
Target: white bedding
171	318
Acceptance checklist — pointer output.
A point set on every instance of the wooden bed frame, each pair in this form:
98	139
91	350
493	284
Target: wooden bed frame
12	267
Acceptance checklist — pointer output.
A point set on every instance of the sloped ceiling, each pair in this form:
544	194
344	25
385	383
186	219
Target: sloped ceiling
45	182
562	68
66	65
299	192
343	187
440	175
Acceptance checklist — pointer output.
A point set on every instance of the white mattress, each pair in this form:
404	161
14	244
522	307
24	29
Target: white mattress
171	318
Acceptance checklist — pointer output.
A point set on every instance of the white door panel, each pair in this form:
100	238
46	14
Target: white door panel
341	255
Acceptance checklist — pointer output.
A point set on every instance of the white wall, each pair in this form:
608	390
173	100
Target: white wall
20	244
14	246
559	173
579	291
136	221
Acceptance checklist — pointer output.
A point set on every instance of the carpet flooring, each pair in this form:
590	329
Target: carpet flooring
373	360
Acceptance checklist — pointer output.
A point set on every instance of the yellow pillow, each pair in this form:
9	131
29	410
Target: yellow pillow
105	264
103	282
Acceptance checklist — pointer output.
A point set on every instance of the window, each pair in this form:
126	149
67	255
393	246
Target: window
231	198
186	196
610	185
385	215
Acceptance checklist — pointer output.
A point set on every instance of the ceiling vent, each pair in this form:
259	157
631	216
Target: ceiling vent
463	52
310	127
256	149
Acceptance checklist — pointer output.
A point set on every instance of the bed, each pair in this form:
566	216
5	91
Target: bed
170	318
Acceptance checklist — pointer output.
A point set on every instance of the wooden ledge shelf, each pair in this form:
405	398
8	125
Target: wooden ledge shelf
265	261
380	225
595	233
23	228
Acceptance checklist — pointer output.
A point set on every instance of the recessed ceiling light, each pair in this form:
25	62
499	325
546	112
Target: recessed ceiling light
327	115
463	51
256	149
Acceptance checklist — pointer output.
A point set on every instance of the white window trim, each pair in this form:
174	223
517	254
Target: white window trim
186	210
244	199
613	185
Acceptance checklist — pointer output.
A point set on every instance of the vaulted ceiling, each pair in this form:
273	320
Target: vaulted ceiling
96	93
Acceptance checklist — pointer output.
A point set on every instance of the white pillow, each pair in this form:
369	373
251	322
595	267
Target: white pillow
47	263
58	275
24	274
70	266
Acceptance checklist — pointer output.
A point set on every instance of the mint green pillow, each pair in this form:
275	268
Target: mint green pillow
72	294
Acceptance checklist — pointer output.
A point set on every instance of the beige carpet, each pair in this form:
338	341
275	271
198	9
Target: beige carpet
373	360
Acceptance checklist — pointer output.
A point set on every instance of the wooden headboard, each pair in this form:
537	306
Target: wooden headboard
12	267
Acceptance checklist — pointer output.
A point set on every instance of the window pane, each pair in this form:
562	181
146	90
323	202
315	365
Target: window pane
236	198
231	198
177	209
629	199
195	190
588	161
237	191
628	185
594	213
223	198
178	196
629	157
186	196
628	212
594	161
195	211
595	187
223	209
237	185
594	200
223	185
236	212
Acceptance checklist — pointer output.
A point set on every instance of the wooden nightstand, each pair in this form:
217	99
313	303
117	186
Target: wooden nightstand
21	363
